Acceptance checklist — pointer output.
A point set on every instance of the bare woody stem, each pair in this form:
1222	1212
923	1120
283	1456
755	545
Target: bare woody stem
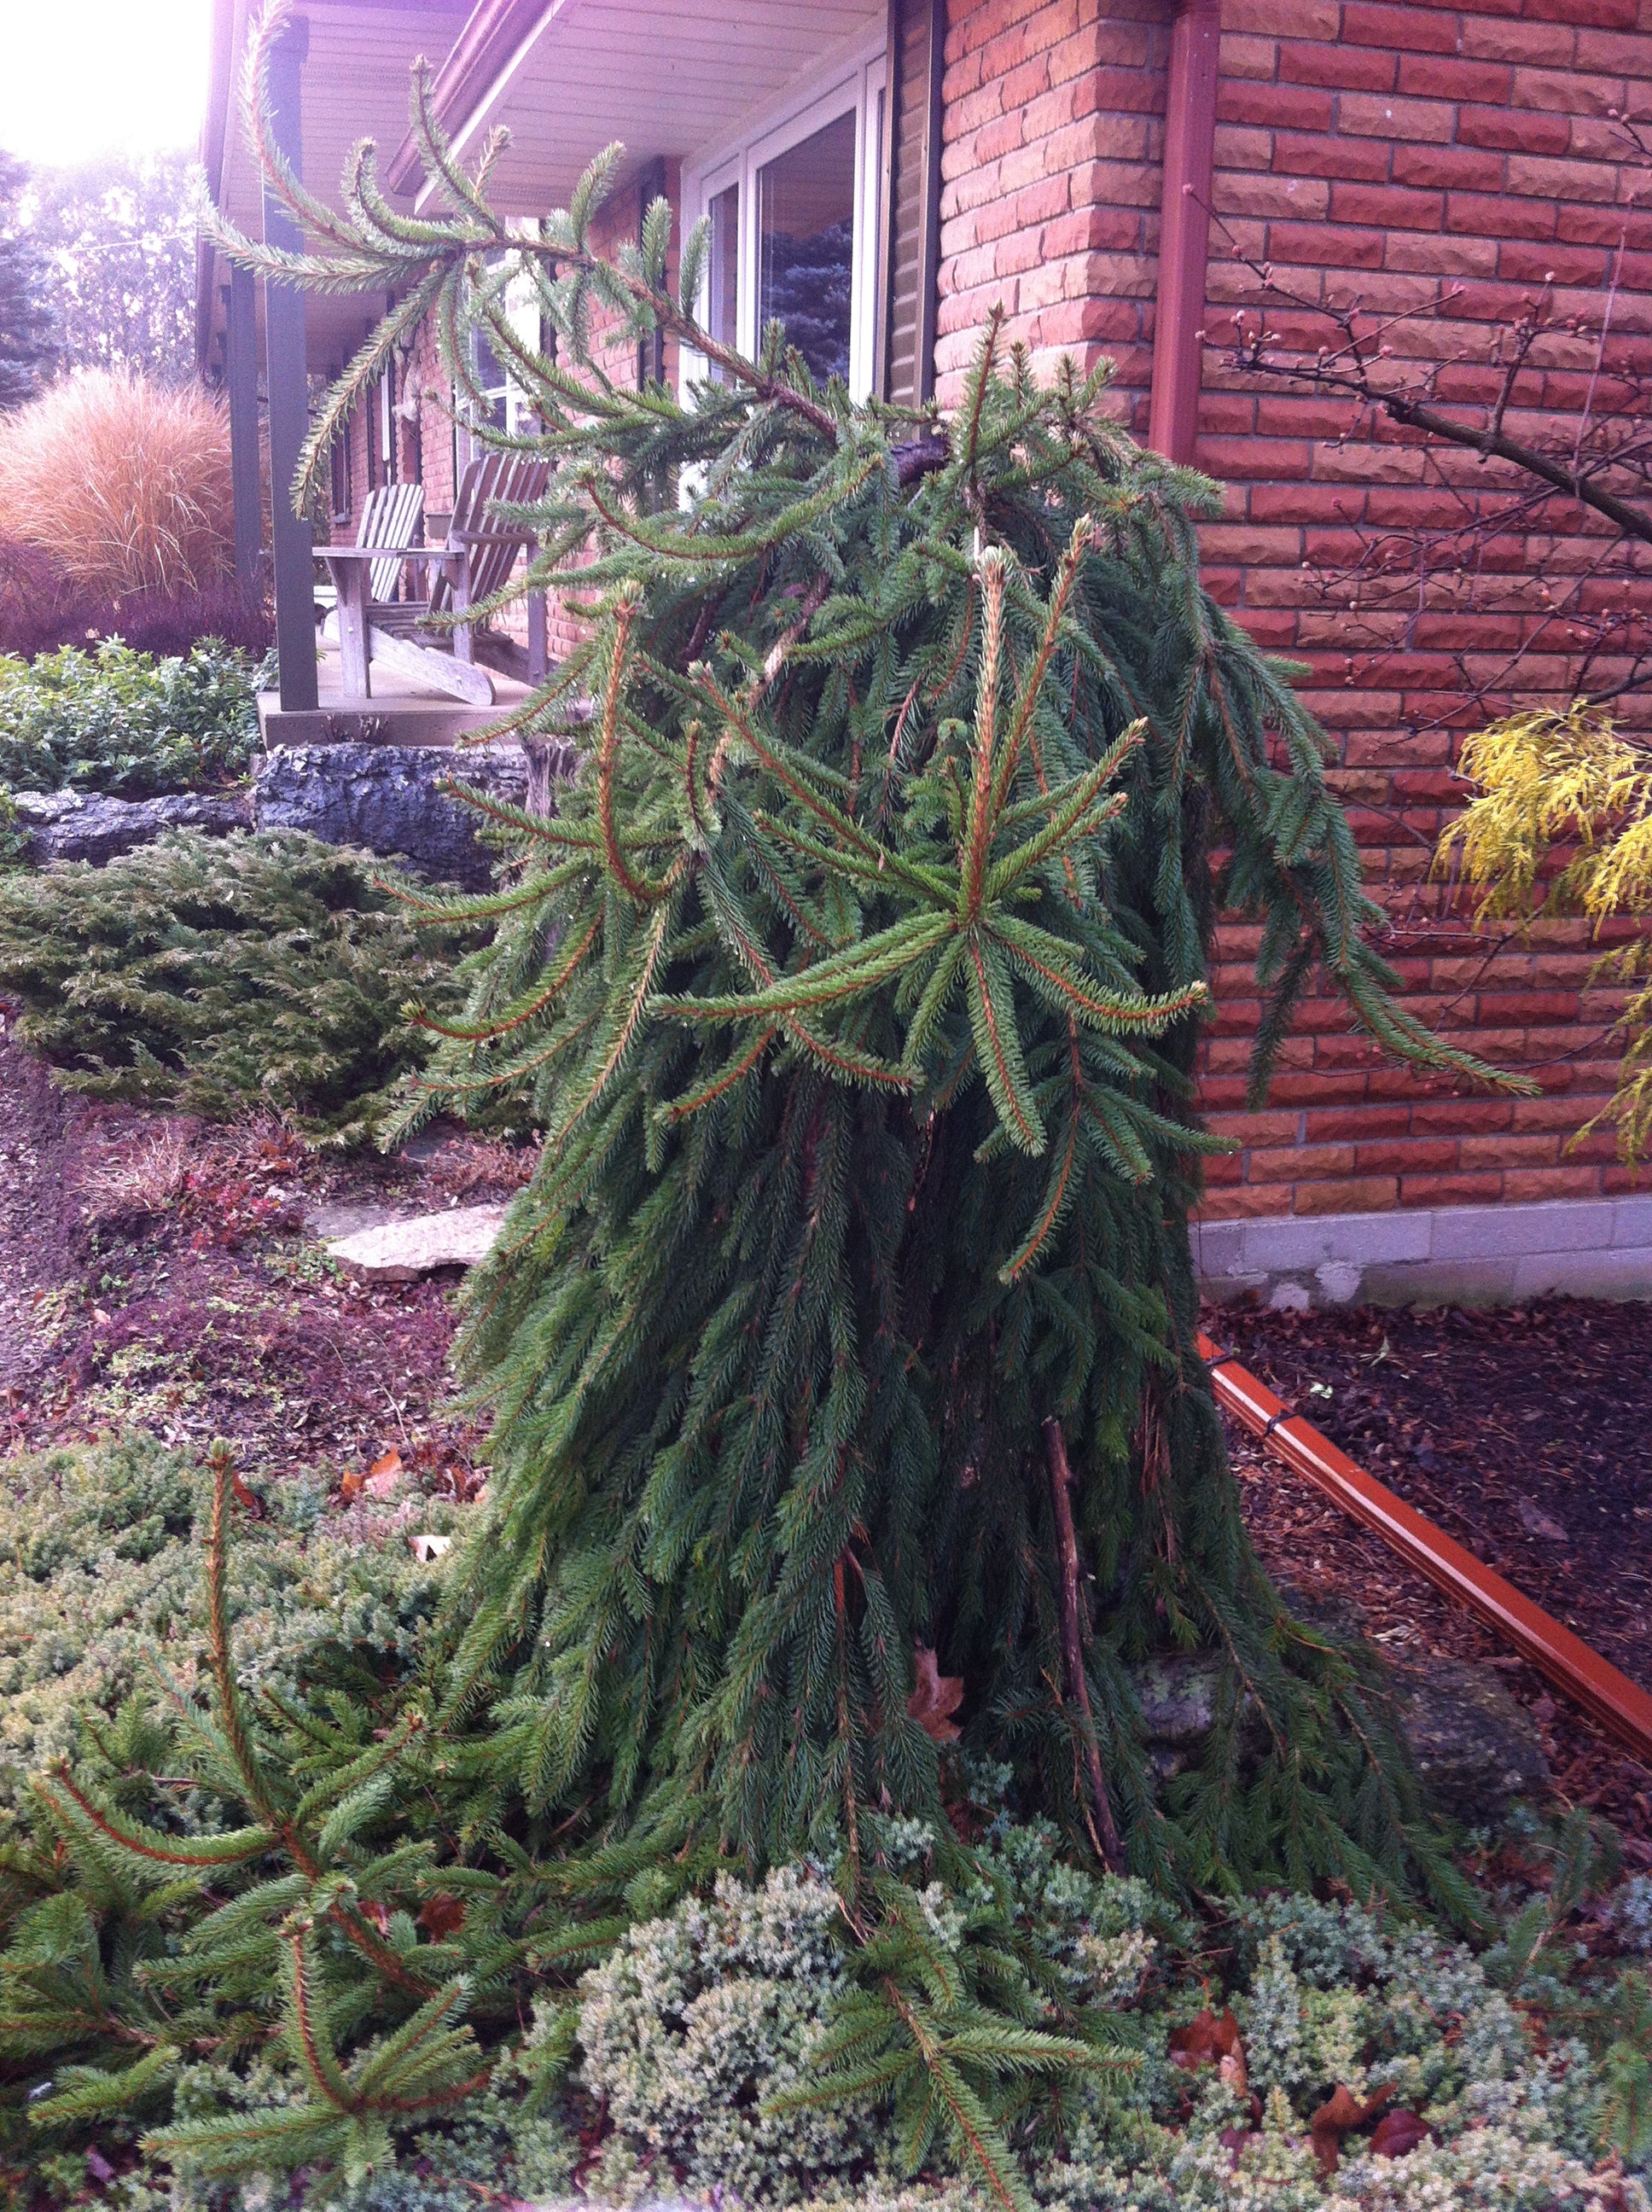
1417	415
1103	1833
844	1725
1347	370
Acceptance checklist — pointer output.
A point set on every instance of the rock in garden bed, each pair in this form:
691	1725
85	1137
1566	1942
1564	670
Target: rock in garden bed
402	1251
1477	1749
69	825
390	800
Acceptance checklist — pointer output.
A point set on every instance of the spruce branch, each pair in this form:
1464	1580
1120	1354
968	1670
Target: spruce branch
237	1734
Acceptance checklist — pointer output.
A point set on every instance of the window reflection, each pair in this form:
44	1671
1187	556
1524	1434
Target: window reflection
491	383
805	245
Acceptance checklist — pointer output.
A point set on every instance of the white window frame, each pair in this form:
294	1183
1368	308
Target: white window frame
856	84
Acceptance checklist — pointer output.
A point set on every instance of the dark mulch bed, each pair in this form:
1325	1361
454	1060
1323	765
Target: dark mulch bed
1526	1434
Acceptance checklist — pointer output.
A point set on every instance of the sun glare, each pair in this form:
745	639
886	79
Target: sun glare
84	77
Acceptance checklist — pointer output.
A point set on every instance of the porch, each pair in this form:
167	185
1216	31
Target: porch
799	128
400	712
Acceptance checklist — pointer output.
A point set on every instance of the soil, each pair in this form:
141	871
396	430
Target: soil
1525	1434
157	1273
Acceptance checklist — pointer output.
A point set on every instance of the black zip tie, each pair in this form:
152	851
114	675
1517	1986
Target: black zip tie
1284	1414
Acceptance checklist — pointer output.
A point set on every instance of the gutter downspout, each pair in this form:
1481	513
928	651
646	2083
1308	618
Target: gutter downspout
1185	228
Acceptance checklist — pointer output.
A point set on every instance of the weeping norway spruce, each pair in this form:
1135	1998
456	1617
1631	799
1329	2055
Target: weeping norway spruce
849	1440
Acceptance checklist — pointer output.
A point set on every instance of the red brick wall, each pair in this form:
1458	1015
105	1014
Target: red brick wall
1393	152
1053	135
427	446
615	224
424	440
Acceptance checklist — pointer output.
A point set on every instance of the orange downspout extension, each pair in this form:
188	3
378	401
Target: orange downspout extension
1620	1706
1185	228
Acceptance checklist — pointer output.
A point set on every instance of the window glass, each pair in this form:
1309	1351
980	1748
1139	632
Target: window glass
805	245
387	424
723	271
502	404
341	475
489	372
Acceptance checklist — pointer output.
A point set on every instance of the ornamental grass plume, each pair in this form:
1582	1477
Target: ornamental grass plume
125	483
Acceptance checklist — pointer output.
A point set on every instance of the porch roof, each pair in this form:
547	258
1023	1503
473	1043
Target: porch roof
353	84
669	78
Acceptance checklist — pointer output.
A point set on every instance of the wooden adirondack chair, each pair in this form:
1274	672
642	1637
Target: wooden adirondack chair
485	548
393	517
478	557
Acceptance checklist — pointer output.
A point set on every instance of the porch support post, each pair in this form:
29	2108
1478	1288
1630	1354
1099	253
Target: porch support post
1185	229
885	276
242	377
285	368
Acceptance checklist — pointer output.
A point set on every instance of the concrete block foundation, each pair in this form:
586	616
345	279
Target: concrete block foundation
1447	1255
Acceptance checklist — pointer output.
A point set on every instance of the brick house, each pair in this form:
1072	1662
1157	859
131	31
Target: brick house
912	164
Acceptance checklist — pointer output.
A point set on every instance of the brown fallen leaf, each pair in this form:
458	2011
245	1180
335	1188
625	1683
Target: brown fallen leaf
1233	2141
385	1474
935	1698
1341	2113
249	1501
349	1485
1207	2038
1398	2132
442	1915
1536	1523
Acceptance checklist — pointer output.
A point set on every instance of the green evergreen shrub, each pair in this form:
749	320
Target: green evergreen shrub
699	2019
1322	1994
107	718
174	1897
1325	1995
222	974
918	774
184	1900
1634	1914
